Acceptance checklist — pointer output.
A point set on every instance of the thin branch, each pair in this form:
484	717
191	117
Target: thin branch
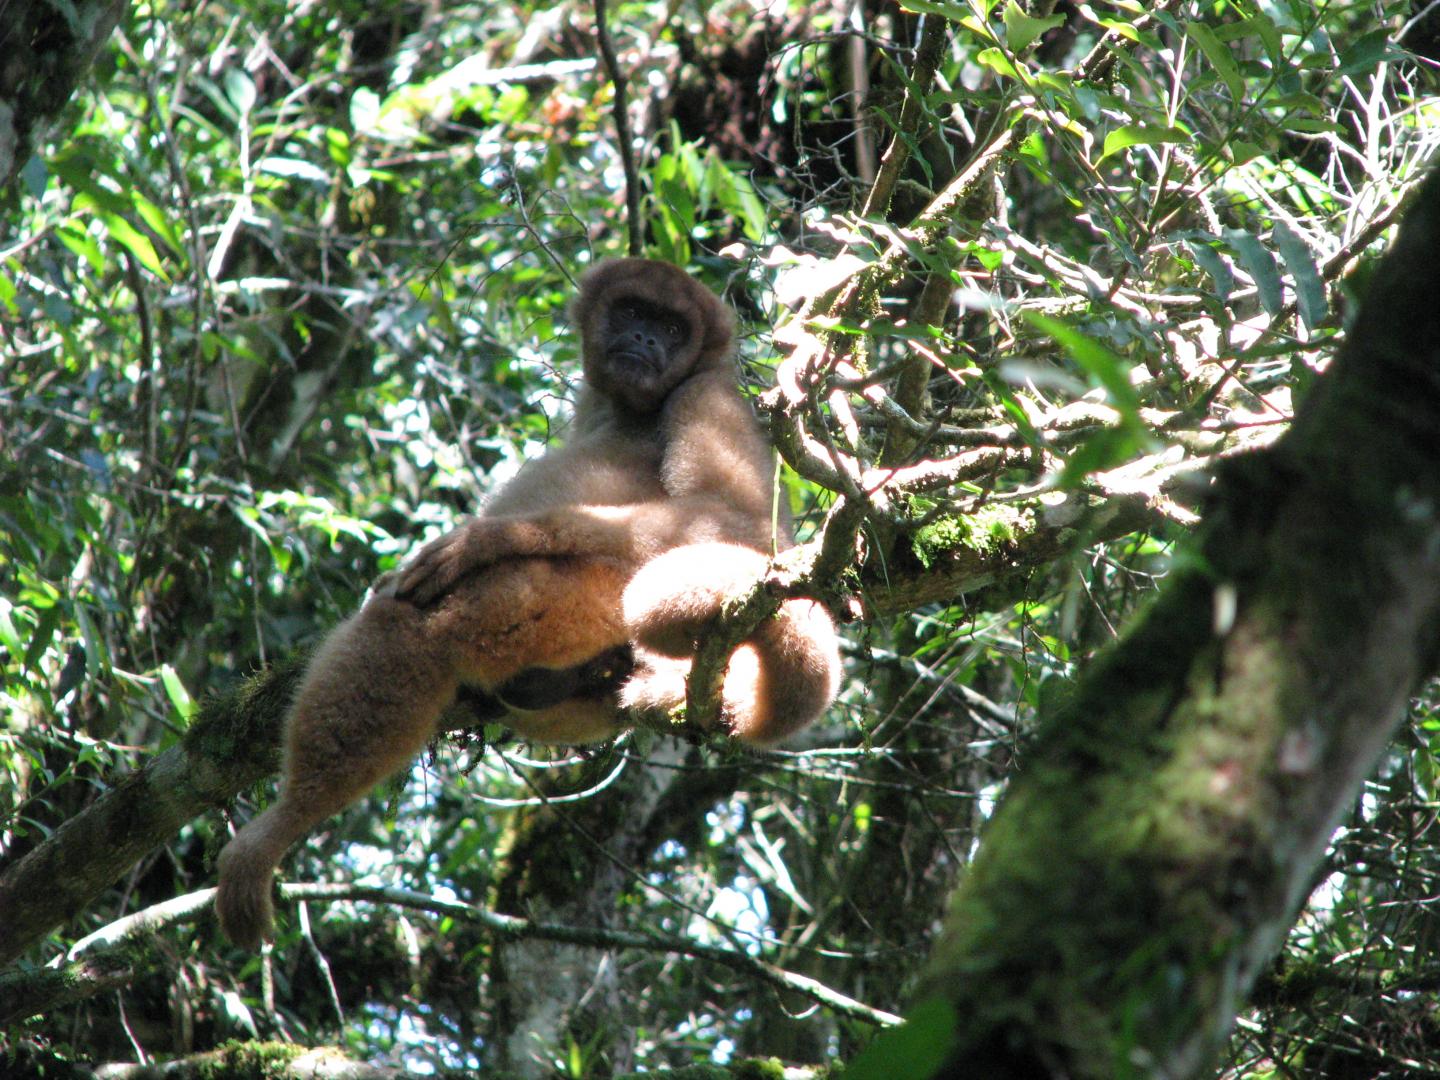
636	235
23	993
927	62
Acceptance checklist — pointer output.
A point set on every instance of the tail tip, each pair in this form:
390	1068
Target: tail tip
242	900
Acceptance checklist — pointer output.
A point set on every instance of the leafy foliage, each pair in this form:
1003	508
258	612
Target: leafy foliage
284	296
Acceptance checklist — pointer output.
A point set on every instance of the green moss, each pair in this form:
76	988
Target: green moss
756	1069
689	1072
237	1060
752	1069
247	718
988	532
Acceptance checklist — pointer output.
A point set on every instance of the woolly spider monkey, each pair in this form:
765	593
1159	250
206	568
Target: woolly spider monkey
576	595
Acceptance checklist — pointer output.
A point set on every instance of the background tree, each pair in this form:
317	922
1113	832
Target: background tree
281	298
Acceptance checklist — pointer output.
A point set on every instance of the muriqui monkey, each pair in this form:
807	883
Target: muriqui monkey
655	510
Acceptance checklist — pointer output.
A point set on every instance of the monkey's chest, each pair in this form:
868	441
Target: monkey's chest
618	483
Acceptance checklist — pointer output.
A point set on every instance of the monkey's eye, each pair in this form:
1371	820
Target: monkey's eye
674	329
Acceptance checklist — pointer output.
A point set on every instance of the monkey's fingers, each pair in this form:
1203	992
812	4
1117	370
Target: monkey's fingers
440	566
472	547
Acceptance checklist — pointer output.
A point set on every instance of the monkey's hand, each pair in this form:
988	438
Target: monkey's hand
472	547
630	533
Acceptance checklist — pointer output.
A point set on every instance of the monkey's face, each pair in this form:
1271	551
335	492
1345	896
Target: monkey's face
647	326
645	352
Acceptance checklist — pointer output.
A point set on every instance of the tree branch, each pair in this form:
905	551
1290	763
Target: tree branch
1150	858
634	230
117	952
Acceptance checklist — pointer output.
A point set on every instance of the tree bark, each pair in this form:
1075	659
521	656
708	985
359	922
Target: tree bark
233	744
48	47
1153	852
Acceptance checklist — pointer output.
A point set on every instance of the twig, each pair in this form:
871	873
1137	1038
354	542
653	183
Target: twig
92	949
636	241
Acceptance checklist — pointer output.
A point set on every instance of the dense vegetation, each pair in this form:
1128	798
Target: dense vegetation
282	295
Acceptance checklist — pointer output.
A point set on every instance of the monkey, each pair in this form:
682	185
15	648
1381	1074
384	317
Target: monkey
576	597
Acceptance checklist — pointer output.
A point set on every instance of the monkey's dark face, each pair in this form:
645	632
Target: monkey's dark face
645	351
646	327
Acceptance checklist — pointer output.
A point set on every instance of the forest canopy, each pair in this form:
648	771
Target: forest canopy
1106	421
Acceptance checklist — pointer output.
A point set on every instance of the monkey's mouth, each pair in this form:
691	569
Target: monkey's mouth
643	362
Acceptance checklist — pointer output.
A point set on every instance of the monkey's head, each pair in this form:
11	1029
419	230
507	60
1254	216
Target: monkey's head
645	327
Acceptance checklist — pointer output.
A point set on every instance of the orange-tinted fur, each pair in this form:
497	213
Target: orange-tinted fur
657	507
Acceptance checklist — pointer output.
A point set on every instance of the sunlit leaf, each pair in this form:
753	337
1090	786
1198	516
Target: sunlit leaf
954	12
293	167
136	242
1140	134
175	690
1309	288
998	62
1021	29
240	89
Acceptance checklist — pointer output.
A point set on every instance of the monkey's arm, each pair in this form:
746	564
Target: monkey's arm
630	534
714	448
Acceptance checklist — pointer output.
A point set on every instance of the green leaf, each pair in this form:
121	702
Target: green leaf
1366	54
1210	261
1022	29
240	89
9	636
154	217
1309	289
1098	451
138	244
1260	264
42	636
1259	25
997	61
1240	151
35	176
953	12
97	653
1108	369
74	237
915	1050
1219	57
1122	138
176	692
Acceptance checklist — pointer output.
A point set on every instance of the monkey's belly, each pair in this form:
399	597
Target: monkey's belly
532	613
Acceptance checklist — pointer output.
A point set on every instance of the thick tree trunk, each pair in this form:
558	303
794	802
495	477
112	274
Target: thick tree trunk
572	865
48	47
1149	859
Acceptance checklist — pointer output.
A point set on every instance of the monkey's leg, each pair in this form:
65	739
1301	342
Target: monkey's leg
376	687
546	637
779	680
367	705
785	676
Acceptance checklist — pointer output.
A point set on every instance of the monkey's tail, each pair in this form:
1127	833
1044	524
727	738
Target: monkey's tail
247	869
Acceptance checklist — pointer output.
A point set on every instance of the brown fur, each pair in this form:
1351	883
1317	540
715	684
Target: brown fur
654	511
